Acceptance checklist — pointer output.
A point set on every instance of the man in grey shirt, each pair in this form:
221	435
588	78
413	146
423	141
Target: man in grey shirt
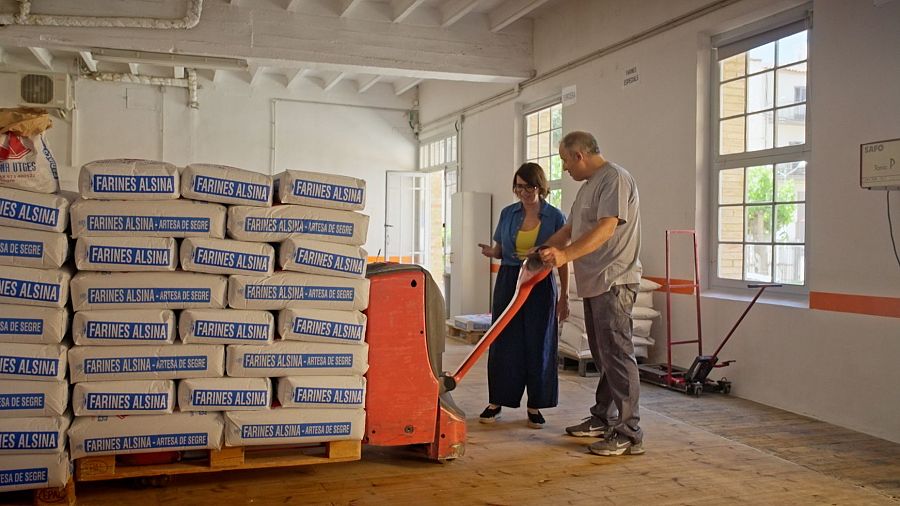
604	228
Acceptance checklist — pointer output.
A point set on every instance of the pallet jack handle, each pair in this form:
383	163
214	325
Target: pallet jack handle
762	288
533	271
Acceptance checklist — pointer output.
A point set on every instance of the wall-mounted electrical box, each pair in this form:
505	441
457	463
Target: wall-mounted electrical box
879	165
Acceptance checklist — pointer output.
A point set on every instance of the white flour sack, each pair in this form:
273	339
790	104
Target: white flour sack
30	324
25	472
319	257
34	287
291	358
124	326
33	398
290	289
226	185
34	362
37	434
225	256
170	361
273	224
115	435
127	179
318	189
175	218
26	163
147	397
322	392
224	394
128	254
293	426
226	326
322	325
132	290
32	248
35	211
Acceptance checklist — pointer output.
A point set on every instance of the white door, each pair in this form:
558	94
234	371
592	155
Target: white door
404	216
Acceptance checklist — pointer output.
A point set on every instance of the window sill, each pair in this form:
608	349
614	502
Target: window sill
794	300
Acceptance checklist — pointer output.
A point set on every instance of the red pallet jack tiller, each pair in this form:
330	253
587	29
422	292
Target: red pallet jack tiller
694	380
408	400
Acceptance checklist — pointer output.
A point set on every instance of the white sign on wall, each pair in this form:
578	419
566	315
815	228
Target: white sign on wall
569	96
632	77
879	165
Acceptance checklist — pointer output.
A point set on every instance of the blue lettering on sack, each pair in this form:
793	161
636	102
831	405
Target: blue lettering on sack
24	249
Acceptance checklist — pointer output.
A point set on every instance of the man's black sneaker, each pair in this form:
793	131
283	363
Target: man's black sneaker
489	415
616	444
536	420
588	427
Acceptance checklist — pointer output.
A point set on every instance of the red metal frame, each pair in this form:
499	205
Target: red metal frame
695	286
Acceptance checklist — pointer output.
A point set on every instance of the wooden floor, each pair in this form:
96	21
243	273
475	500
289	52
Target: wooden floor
708	450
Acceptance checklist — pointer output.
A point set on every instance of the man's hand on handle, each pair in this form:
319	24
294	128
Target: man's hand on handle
554	256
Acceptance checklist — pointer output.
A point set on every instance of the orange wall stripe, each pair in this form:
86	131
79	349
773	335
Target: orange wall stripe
683	290
860	304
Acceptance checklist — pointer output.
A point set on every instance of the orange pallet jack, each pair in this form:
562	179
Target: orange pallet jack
408	398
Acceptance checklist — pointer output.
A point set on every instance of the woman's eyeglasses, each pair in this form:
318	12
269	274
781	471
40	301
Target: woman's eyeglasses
524	187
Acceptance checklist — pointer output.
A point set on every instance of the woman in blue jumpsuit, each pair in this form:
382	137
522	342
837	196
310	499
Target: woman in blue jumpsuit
523	358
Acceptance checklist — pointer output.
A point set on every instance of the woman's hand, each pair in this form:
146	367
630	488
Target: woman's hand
488	251
562	307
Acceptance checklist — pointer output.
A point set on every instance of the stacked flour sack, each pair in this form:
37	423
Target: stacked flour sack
126	359
573	336
34	292
319	361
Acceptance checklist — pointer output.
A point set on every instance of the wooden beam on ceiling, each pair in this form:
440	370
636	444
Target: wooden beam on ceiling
401	88
178	72
134	68
403	8
454	10
294	76
345	6
292	4
331	83
88	60
43	56
255	72
511	11
362	87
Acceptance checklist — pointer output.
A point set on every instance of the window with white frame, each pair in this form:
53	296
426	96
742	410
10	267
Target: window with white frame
543	131
439	157
760	155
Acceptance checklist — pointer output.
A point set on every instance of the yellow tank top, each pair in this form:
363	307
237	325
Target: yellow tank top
525	240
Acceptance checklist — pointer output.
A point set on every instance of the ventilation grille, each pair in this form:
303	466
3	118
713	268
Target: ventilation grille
37	89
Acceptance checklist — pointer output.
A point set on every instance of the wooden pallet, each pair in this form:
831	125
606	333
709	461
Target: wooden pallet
55	496
105	468
468	336
585	366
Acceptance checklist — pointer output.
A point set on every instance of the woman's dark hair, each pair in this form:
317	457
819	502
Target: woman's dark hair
533	174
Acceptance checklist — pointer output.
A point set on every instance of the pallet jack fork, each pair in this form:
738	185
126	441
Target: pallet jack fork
408	400
695	379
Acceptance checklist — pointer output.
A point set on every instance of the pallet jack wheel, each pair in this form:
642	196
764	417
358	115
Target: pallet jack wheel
695	389
724	386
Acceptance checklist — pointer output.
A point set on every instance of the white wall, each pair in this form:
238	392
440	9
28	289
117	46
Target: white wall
364	137
834	366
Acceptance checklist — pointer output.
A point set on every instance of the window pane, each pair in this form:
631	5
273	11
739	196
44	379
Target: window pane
531	122
761	92
792	48
761	58
759	184
731	136
555	168
758	262
792	85
731	261
760	131
732	97
759	224
442	151
555	137
532	151
544	121
790	223
453	149
731	186
790	181
731	223
544	144
423	162
791	126
544	162
790	264
556	116
735	66
555	198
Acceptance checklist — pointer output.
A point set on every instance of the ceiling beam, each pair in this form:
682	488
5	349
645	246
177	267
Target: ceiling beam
400	89
331	83
345	6
255	72
364	87
134	68
178	72
403	8
294	76
292	4
2	56
454	10
43	56
88	60
511	11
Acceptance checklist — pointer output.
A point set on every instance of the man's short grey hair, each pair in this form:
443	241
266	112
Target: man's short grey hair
582	142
